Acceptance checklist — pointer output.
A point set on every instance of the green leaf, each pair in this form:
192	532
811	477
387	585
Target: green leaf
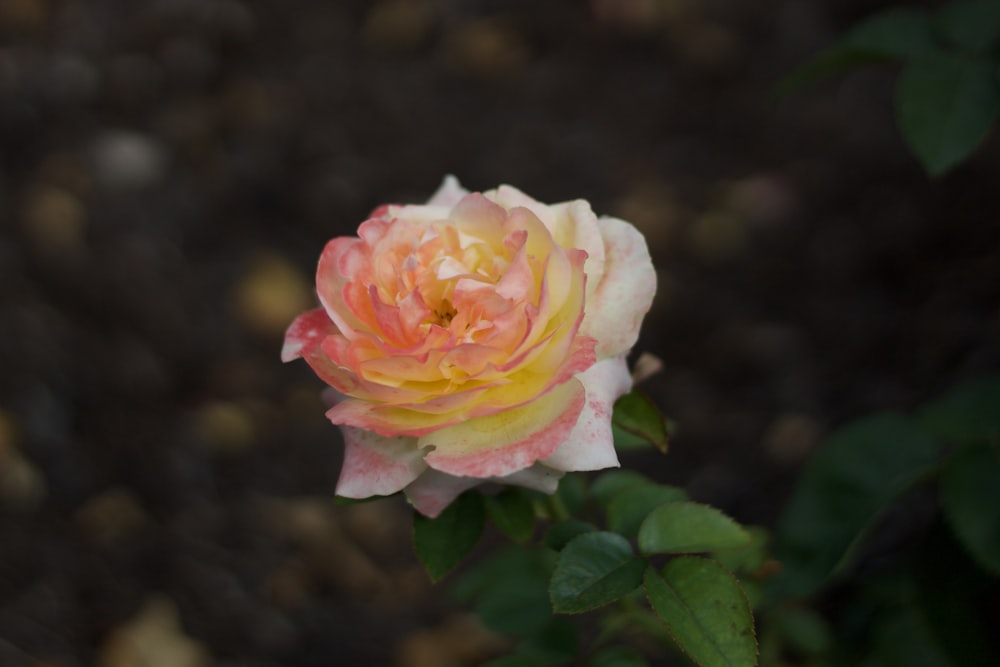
966	415
901	33
970	494
617	656
751	557
611	482
804	630
512	513
953	600
628	508
687	527
509	590
625	441
561	533
572	492
705	611
442	543
903	639
558	641
972	27
593	570
859	470
896	34
635	413
945	107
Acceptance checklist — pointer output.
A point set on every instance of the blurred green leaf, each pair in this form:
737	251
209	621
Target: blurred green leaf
509	590
685	527
572	492
945	107
903	639
558	641
617	656
955	596
625	441
561	533
512	512
859	470
629	508
610	482
969	414
635	413
442	543
901	32
973	27
705	611
970	495
493	569
896	34
749	558
803	630
593	570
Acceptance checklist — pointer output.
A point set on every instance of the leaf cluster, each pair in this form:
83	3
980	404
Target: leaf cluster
622	568
897	518
947	96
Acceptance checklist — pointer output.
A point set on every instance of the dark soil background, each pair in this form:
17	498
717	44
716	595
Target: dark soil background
170	170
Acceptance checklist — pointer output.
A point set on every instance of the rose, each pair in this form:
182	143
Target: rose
478	337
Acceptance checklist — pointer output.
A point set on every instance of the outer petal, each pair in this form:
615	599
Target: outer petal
377	466
449	194
504	443
625	293
306	333
433	491
538	478
590	445
576	226
510	197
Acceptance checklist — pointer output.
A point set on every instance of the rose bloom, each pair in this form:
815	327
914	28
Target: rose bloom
475	338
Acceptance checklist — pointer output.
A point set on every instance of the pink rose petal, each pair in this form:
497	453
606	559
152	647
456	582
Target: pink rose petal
590	445
625	293
449	193
537	478
433	491
504	443
377	466
306	333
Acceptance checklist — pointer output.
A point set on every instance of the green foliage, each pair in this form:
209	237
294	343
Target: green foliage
627	509
945	107
948	96
858	472
442	543
926	599
612	482
973	27
512	513
561	533
705	611
593	570
803	630
686	527
966	415
970	494
637	415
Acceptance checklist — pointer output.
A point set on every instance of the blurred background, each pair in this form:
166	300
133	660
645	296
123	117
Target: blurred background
170	170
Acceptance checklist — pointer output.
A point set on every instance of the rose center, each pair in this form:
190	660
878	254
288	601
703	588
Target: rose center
443	313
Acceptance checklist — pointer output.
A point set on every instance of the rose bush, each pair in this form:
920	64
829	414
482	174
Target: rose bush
476	337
